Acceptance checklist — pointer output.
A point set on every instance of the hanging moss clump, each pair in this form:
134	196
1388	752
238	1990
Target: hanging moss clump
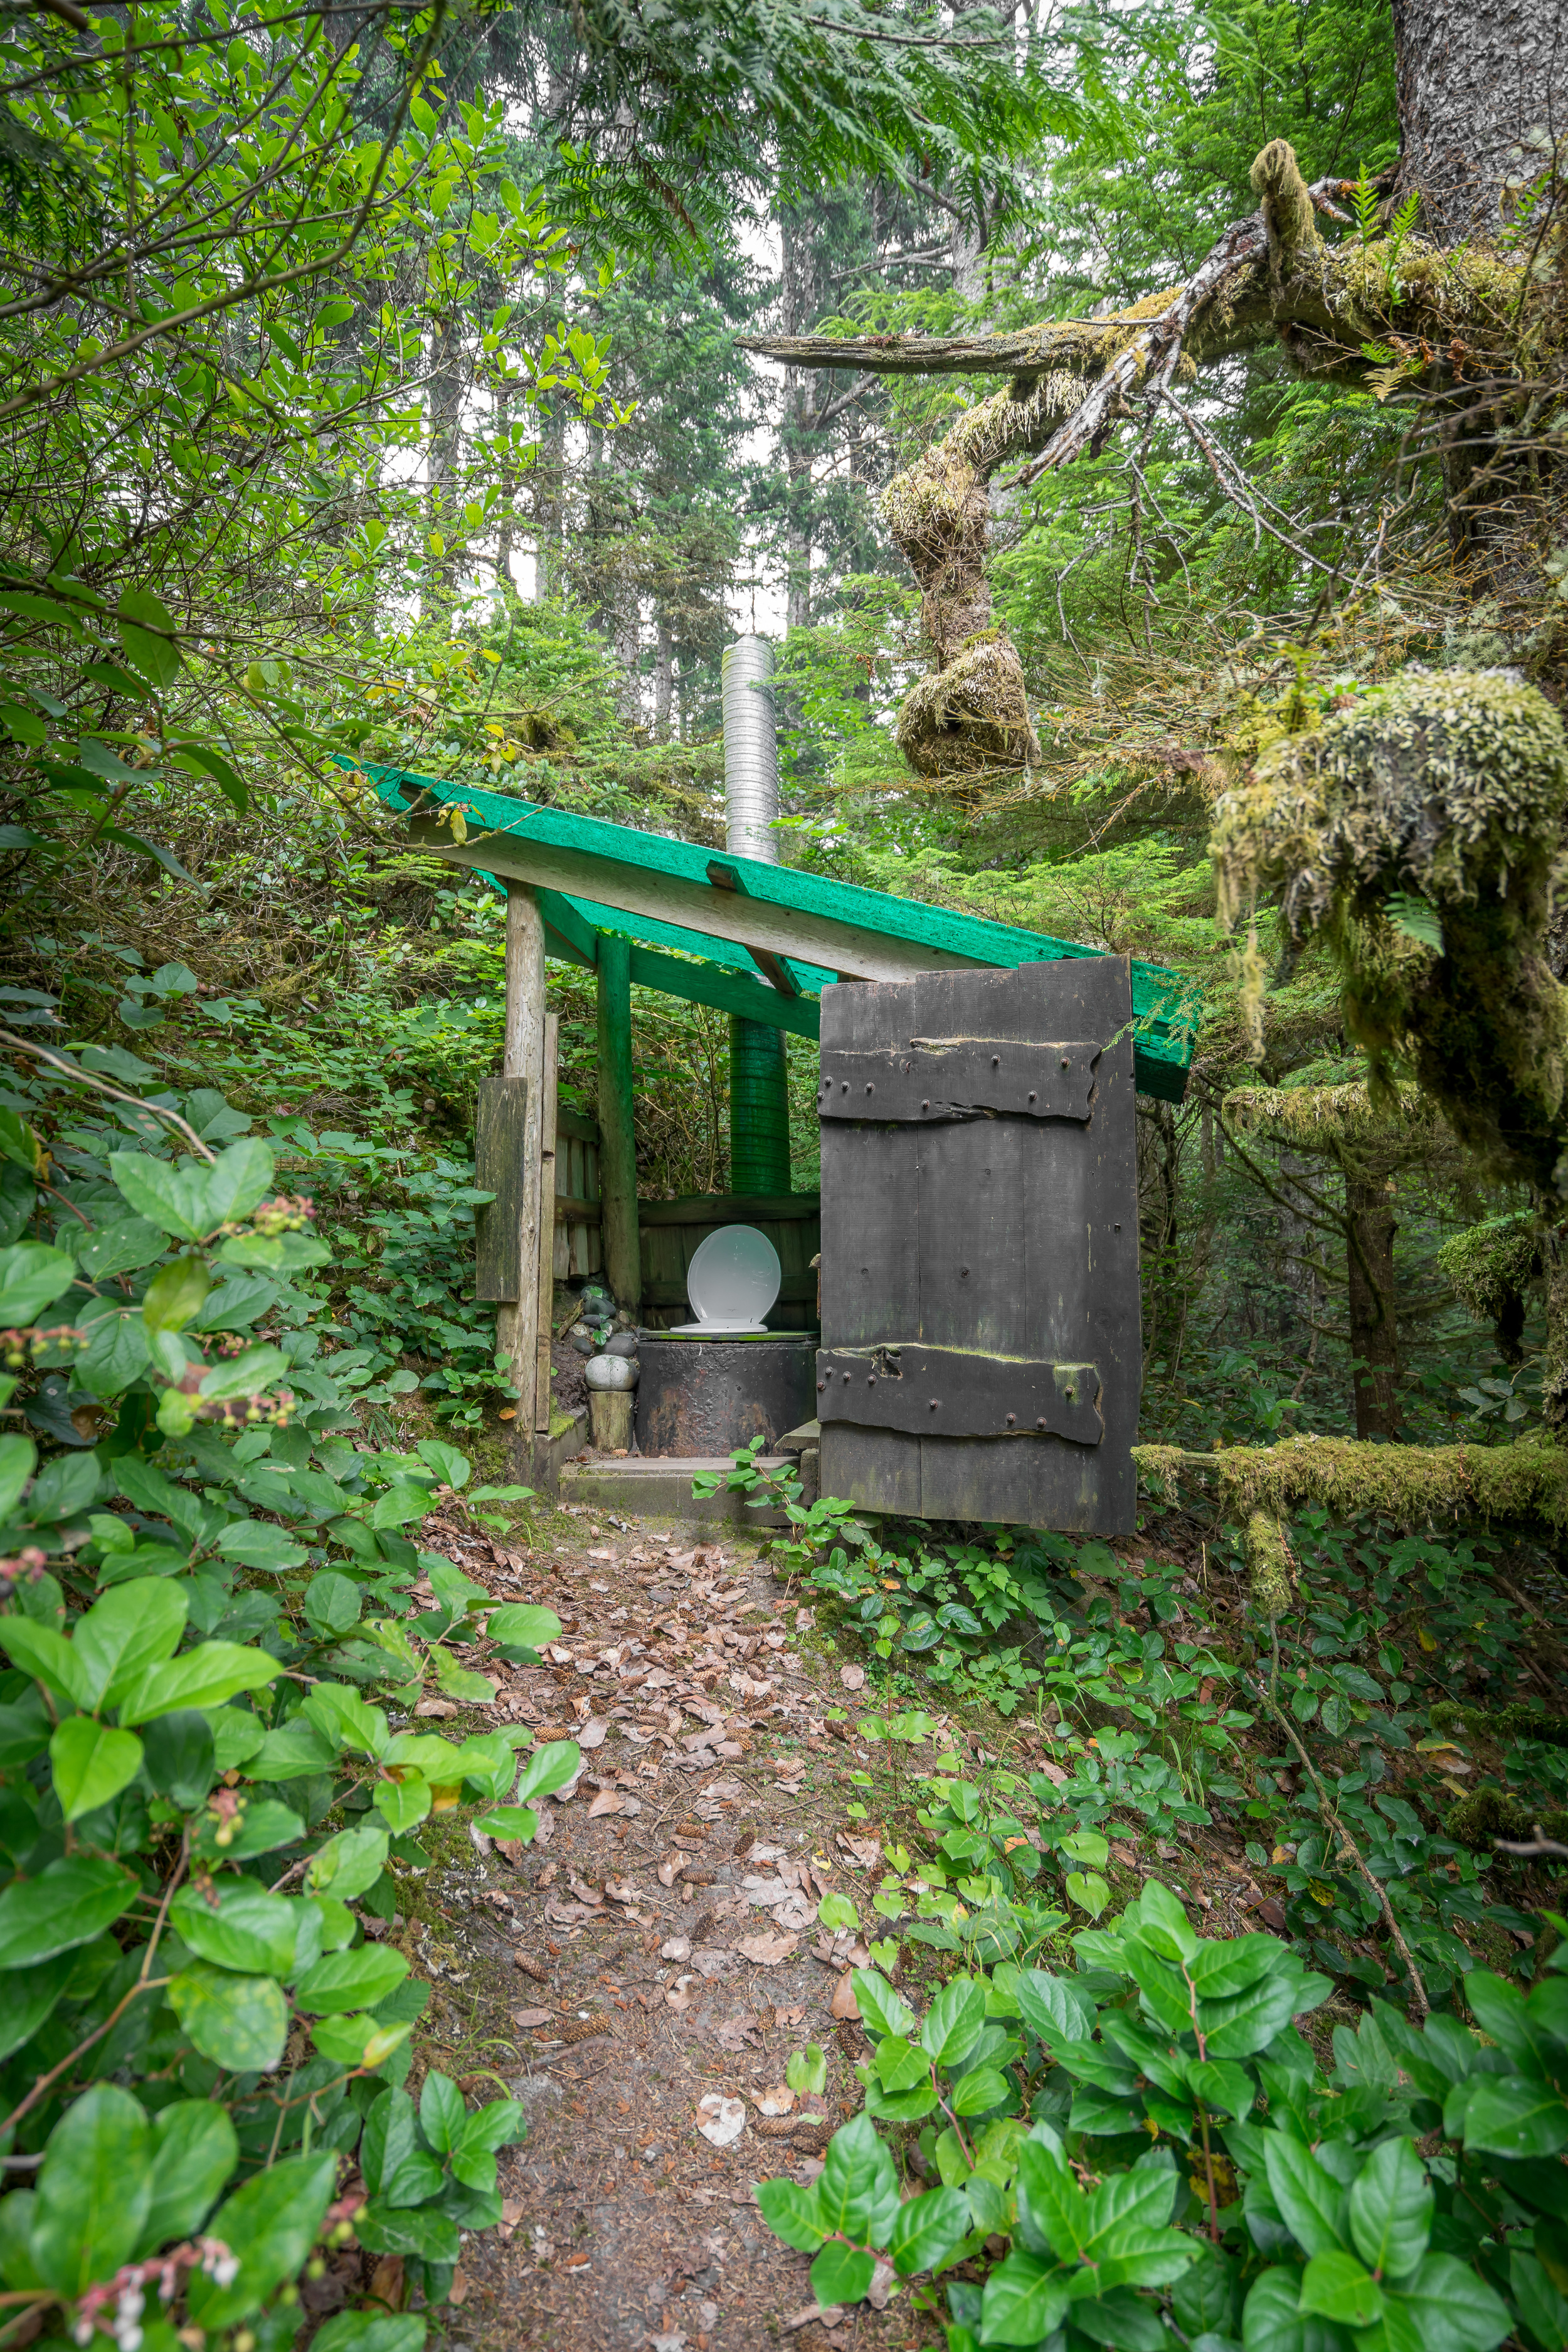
1493	1268
1436	805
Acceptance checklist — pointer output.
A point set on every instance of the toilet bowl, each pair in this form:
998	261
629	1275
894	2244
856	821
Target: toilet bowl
732	1282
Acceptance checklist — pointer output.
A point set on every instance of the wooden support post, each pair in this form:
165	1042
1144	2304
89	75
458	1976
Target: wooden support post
517	1323
617	1138
546	1276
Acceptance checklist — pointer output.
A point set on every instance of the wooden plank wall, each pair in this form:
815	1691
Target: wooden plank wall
577	1249
671	1231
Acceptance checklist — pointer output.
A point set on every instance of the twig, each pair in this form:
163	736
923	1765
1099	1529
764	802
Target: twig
91	1079
1331	1820
1539	1845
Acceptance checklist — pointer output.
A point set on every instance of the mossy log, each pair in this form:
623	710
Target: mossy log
1437	1486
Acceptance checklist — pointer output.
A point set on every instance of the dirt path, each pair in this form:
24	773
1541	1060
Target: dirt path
656	1948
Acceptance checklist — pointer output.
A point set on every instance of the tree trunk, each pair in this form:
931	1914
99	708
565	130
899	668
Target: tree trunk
1374	1333
1477	78
663	677
548	471
799	304
443	409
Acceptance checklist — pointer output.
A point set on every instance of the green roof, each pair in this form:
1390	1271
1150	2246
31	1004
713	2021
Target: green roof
758	939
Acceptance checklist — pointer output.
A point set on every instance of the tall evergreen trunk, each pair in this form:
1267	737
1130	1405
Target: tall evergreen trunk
1476	78
1374	1330
798	435
663	676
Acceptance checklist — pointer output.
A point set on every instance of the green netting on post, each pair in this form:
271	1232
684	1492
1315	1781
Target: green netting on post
759	1109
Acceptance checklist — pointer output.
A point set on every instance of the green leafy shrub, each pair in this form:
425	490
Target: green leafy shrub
201	1578
1167	2160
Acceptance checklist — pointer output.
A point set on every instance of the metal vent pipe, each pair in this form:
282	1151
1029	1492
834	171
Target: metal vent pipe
759	1086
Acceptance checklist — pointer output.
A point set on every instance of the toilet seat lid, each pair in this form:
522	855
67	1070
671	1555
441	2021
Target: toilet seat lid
734	1278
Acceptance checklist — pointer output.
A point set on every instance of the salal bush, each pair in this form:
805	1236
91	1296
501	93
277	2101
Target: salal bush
207	1588
1161	2158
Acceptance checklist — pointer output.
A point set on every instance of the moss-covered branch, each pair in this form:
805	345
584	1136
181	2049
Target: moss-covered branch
1422	1485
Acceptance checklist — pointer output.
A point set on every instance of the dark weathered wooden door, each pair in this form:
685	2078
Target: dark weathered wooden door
980	1343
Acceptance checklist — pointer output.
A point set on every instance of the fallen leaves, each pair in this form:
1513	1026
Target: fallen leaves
436	1707
767	1952
852	1677
677	1948
865	1851
592	1733
530	2018
723	2120
779	2101
844	2003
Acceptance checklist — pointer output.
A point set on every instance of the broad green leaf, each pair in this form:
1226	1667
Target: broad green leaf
452	1468
792	2213
195	2149
39	1650
341	1716
31	1278
882	2010
401	1503
841	2274
184	1753
256	1543
259	1369
442	2114
345	1981
1391	2210
928	2229
1445	2307
149	648
1338	2287
954	2022
69	1903
203	1676
294	1751
1023	2300
1205	2299
262	1828
429	2236
984	2088
523	1627
1508	2115
117	1351
270	2223
546	1770
94	2191
900	2064
174	1198
240	1178
1271	2321
240	2021
371	2331
90	1763
133	1627
30	1995
835	1911
241	1926
358	2040
404	1804
1053	2211
859	2189
174	1294
350	1863
122	1247
333	1603
460	1682
1311	2200
18	1456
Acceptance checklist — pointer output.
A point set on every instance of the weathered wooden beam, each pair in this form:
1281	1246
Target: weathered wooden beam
727	990
544	1246
499	1127
570	1209
617	1133
731	1209
517	1323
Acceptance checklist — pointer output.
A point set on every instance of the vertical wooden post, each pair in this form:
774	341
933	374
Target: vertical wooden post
617	1137
546	1313
517	1325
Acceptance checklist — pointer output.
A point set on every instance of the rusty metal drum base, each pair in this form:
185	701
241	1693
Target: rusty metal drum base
709	1396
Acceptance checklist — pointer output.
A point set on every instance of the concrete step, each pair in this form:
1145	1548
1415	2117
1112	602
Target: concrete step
658	1486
